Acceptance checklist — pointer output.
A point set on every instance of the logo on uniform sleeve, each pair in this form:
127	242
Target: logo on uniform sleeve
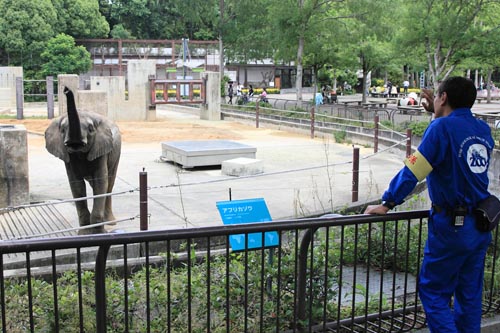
477	158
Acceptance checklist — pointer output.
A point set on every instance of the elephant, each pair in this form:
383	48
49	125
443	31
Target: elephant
90	146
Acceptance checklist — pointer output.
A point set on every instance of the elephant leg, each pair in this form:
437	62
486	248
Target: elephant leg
112	170
79	190
99	184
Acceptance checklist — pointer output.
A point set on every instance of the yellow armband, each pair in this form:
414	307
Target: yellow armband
418	165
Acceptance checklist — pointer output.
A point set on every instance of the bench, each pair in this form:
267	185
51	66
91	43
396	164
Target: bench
480	99
410	109
347	103
351	102
374	103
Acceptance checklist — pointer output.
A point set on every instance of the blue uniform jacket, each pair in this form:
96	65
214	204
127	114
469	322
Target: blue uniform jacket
458	148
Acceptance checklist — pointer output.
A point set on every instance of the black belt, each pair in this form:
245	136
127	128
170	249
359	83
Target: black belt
438	209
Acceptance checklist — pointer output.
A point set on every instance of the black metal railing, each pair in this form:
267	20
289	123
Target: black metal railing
339	274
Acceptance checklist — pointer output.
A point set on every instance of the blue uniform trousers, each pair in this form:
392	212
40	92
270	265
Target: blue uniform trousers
453	265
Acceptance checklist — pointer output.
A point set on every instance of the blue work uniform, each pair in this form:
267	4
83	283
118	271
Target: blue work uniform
318	99
454	155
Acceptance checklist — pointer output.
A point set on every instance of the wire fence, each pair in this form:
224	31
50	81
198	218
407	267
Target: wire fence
170	195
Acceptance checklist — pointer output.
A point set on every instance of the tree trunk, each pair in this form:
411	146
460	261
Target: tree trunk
363	87
315	85
298	80
221	46
300	53
488	86
335	80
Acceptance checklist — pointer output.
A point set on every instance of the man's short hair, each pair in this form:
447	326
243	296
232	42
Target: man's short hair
461	92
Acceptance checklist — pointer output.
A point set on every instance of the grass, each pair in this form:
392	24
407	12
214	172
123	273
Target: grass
13	116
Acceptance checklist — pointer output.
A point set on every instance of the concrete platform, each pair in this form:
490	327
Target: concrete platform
192	154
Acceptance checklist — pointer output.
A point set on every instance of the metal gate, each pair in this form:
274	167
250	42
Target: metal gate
177	91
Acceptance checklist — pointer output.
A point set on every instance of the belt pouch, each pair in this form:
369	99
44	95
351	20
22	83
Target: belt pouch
487	214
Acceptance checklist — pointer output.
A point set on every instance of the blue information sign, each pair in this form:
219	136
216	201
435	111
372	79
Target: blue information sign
247	211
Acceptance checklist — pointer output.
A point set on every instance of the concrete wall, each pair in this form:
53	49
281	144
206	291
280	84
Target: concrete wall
70	81
494	172
113	88
107	94
8	86
14	172
211	110
95	101
138	72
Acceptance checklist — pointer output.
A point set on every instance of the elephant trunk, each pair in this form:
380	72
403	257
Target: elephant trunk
74	139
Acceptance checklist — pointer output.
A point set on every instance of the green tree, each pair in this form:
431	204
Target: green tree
445	30
484	54
365	37
81	18
25	27
132	14
163	19
245	30
120	32
62	56
290	27
407	59
296	30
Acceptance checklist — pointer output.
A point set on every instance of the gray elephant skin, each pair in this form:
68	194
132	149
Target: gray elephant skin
90	146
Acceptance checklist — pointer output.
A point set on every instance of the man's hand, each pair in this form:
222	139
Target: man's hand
376	209
428	99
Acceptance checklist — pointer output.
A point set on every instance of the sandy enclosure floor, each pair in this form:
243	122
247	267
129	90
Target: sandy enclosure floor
166	129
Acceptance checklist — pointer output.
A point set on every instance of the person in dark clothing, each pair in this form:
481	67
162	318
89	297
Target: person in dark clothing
389	88
230	92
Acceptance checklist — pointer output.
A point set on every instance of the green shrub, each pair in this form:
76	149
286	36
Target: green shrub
418	128
340	135
385	238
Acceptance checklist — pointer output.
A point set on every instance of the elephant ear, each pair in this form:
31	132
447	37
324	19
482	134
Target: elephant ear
103	139
54	140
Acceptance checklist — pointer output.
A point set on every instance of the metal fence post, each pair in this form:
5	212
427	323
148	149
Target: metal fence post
50	97
375	133
300	306
355	174
19	97
143	198
408	142
100	288
312	122
257	113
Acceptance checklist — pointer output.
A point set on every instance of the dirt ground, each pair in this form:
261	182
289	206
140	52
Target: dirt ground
164	129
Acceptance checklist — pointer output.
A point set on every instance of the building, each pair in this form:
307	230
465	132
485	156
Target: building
178	59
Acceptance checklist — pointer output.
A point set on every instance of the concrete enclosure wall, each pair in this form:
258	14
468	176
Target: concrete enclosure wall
107	94
211	110
70	81
14	172
8	85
